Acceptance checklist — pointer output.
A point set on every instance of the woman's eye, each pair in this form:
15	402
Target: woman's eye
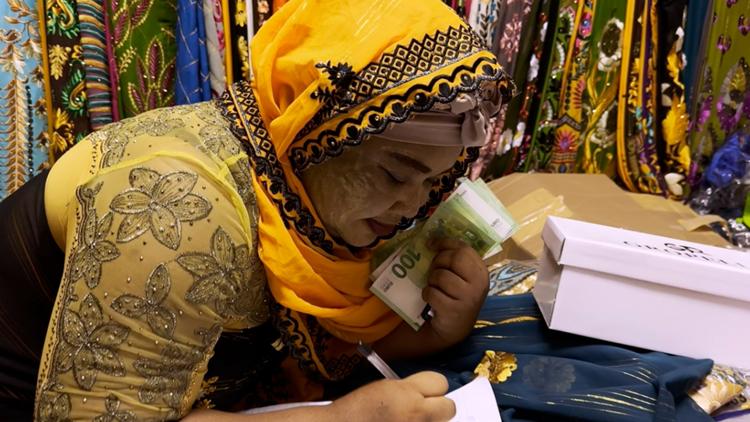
393	178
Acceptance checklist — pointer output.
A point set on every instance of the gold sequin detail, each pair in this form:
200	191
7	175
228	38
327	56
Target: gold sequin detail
227	279
159	204
167	379
113	412
161	319
496	366
89	344
119	135
54	407
94	249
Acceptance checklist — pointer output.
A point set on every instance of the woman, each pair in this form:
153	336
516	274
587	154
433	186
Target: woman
189	226
217	255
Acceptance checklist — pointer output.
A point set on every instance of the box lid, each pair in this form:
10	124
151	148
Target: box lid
655	259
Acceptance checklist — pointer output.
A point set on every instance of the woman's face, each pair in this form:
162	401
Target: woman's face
366	191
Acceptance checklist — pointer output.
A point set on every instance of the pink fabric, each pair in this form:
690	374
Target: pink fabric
219	19
465	121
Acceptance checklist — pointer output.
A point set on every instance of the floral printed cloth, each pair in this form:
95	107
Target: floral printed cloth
23	137
723	91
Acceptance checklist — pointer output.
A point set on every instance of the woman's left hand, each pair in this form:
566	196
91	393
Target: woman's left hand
457	287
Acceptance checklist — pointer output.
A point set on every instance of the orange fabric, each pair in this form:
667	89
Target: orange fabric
292	57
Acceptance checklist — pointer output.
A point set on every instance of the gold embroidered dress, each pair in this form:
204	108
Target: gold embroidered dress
174	222
157	219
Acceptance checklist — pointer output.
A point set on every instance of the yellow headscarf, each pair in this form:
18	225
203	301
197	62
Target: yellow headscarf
327	74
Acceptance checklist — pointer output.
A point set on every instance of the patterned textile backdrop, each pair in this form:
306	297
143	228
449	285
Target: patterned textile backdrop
23	140
643	91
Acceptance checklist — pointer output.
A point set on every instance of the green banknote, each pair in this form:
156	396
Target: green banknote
468	215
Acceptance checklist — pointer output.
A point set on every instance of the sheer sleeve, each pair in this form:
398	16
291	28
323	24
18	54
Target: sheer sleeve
159	260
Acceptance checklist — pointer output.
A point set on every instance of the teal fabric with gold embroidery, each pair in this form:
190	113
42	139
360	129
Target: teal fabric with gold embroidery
543	375
68	104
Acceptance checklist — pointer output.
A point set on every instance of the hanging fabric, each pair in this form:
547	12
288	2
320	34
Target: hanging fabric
143	34
520	135
23	137
723	92
696	29
193	76
679	172
589	124
94	43
114	76
253	15
567	133
214	23
246	18
543	137
66	90
528	23
238	46
225	33
483	19
637	155
261	11
511	22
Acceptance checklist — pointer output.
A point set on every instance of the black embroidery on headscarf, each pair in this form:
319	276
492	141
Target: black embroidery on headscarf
351	131
403	64
265	161
262	153
420	58
339	99
311	344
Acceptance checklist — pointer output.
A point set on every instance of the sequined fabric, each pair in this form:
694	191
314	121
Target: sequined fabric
160	260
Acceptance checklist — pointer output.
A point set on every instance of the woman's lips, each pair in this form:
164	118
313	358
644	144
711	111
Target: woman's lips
380	229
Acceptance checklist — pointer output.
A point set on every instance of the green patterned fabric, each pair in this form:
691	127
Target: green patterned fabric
723	91
145	48
542	140
69	116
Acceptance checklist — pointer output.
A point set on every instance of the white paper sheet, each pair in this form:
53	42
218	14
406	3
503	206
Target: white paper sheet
475	402
278	407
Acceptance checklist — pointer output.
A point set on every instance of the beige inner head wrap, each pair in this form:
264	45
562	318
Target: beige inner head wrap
465	121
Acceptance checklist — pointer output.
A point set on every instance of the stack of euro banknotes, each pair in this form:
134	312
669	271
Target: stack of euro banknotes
401	266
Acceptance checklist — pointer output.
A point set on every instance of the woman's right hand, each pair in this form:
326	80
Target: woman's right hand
420	397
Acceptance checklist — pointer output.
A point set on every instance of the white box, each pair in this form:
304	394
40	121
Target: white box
647	291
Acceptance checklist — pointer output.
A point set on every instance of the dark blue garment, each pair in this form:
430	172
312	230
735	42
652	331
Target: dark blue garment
563	377
696	29
193	84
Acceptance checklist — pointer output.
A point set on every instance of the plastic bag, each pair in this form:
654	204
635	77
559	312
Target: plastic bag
726	181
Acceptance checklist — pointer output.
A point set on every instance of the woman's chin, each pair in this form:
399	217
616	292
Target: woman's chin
360	241
358	235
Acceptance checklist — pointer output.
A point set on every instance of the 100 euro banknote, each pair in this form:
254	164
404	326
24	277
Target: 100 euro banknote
467	215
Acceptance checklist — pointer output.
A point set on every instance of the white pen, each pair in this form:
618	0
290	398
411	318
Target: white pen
376	361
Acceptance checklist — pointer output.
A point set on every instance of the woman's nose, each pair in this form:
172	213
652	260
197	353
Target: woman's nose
410	200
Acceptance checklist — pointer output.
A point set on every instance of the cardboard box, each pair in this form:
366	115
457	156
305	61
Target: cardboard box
532	197
647	291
